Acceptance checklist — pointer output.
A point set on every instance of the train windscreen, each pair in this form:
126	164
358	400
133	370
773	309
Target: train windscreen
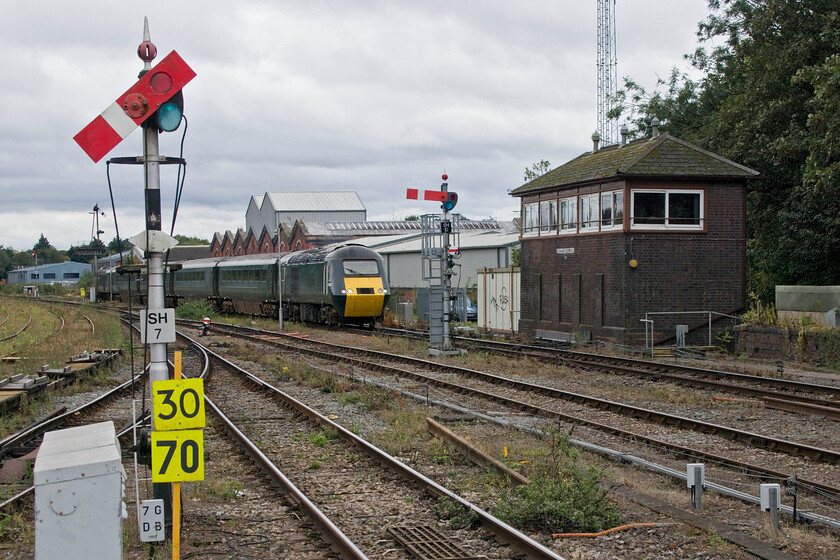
361	268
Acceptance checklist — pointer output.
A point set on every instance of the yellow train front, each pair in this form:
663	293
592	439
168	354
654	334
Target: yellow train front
345	284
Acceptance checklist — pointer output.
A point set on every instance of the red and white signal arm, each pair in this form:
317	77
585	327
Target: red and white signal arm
437	196
133	107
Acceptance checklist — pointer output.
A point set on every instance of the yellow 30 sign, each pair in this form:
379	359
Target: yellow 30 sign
179	404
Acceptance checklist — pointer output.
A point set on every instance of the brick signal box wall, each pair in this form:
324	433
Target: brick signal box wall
593	289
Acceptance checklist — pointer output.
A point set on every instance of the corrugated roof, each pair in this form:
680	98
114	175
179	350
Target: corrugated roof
339	229
410	243
664	156
313	201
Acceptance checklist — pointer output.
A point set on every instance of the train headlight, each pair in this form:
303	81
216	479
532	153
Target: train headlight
379	290
349	290
343	291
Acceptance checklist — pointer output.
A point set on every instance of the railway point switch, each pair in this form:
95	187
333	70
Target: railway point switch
79	490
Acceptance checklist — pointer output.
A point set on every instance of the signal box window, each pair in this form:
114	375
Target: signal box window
589	212
531	219
568	215
667	210
612	210
548	217
360	268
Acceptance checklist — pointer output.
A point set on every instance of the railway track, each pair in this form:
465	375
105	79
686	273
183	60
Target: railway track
380	360
520	396
359	487
725	381
20	330
332	380
299	535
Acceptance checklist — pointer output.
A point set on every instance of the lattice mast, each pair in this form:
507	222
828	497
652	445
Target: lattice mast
607	68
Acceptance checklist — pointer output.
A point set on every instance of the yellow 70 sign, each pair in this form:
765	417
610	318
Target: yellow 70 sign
178	456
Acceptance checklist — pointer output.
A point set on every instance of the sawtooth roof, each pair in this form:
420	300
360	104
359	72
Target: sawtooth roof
661	156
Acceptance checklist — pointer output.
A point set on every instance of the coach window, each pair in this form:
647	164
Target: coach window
665	209
531	219
548	217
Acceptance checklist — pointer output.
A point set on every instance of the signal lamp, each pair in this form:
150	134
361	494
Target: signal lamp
450	201
170	112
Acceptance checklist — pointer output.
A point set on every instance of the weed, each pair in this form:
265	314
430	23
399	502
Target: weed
218	488
439	453
453	512
715	540
352	397
195	310
319	439
563	495
314	466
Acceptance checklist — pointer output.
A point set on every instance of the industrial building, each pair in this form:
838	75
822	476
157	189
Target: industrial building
54	273
630	237
483	244
271	210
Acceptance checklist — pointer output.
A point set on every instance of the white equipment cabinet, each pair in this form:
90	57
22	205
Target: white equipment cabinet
79	489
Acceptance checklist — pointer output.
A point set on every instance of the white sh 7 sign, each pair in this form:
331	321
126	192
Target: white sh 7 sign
157	325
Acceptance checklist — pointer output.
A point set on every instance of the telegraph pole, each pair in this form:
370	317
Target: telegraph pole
94	234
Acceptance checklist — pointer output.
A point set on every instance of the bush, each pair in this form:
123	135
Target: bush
563	496
195	310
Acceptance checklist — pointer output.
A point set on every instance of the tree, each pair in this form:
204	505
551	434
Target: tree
6	256
185	240
767	99
122	246
42	244
537	169
75	253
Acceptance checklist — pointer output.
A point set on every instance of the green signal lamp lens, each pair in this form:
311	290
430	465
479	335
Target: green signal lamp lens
169	116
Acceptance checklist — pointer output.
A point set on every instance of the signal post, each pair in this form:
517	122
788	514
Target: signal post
440	233
155	103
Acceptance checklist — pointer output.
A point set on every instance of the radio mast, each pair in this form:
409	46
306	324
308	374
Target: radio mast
607	69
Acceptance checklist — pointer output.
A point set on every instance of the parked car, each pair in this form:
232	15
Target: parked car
472	311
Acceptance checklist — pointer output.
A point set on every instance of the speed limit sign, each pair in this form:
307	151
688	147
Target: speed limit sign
177	446
178	456
178	404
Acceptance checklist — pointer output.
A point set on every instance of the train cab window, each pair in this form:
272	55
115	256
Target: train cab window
361	268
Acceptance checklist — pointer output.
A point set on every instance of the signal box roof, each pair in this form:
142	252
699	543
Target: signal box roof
663	156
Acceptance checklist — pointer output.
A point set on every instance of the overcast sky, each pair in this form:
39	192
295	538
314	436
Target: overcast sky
363	95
